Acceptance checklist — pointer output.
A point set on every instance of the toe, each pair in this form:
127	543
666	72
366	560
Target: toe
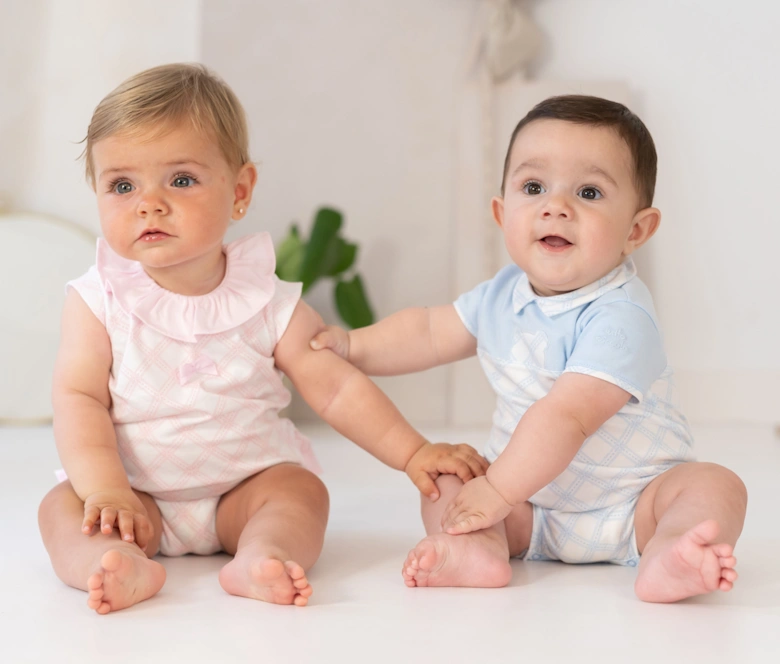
729	575
300	583
294	570
111	560
95	581
300	600
723	550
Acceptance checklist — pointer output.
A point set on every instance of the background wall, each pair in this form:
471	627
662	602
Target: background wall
58	58
355	104
705	75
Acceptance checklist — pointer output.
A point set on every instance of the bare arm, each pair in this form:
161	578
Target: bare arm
544	443
408	341
83	430
351	403
551	433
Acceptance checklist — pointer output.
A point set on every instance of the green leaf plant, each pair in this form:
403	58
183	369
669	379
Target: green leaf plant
326	255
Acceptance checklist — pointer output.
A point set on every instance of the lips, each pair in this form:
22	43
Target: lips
151	234
555	242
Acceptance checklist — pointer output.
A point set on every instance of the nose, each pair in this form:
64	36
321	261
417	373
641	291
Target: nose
152	203
557	206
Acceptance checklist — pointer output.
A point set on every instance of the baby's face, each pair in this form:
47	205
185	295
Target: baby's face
164	199
569	204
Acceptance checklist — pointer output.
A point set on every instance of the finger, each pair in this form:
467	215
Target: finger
143	530
107	519
474	462
91	515
474	458
125	522
450	516
426	485
465	525
456	466
322	340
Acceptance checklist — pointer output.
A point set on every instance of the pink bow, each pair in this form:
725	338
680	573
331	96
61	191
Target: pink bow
201	365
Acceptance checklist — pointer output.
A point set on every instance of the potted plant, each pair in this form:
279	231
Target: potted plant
326	255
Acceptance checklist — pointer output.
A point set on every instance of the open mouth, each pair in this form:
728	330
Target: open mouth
555	243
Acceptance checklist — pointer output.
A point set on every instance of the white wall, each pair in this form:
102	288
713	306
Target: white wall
59	58
705	73
355	104
351	104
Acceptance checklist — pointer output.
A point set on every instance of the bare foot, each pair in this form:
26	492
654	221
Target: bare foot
692	564
266	579
474	560
124	579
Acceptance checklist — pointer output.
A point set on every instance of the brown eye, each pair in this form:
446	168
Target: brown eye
533	188
590	193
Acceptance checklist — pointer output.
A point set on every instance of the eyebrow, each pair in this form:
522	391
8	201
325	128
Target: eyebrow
539	163
178	162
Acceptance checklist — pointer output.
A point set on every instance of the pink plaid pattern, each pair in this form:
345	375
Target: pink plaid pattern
187	442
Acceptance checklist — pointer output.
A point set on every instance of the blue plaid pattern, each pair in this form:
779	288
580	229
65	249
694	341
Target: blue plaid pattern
608	330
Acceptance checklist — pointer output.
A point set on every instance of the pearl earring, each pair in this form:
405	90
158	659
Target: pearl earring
240	210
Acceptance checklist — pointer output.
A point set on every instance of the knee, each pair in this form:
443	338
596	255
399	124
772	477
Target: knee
63	491
316	489
300	483
53	501
727	481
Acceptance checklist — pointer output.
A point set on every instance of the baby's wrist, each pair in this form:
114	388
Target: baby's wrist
423	445
499	488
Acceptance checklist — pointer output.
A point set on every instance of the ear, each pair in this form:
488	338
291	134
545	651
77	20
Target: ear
497	208
643	226
245	185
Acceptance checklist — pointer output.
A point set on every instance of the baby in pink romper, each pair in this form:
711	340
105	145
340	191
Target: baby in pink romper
168	380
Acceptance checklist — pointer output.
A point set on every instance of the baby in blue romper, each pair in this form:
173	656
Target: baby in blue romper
590	456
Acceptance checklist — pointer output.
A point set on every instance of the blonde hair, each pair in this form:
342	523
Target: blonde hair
162	96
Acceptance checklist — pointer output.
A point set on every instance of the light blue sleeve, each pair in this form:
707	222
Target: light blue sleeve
619	342
469	305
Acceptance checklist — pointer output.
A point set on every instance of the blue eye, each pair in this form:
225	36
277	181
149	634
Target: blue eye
121	187
182	181
590	193
533	188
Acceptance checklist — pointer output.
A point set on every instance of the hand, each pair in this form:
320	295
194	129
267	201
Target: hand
434	459
477	506
335	338
120	508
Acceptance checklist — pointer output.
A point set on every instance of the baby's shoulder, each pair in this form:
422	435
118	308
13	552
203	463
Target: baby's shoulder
631	300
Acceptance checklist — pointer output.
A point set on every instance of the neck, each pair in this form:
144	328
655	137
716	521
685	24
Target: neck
198	276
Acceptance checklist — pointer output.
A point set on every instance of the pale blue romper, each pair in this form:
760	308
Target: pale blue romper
609	330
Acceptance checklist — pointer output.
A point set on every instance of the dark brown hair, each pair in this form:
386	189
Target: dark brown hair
598	112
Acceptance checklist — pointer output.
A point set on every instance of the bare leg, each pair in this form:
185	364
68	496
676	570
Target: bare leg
687	523
477	560
116	574
274	522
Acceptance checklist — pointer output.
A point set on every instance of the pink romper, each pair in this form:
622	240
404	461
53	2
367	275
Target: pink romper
195	393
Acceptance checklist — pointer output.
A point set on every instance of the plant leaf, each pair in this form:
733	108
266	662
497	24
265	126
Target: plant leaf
326	225
352	303
339	257
289	256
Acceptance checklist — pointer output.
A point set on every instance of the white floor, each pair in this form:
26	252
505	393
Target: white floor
362	612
